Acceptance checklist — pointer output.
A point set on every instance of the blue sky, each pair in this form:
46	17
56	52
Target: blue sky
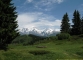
45	14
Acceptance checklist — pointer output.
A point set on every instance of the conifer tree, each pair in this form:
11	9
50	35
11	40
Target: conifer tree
82	25
76	27
8	23
65	26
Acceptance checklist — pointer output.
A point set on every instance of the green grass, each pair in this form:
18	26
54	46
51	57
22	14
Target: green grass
61	49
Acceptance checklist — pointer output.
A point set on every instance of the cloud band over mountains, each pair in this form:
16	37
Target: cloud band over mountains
38	20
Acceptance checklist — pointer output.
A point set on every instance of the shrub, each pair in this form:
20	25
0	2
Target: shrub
40	46
53	38
81	35
62	36
79	53
23	39
39	52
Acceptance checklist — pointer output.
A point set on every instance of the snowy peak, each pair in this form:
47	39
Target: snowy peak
48	30
37	32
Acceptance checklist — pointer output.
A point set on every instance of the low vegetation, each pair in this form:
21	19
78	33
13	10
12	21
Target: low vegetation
54	49
27	39
39	52
63	36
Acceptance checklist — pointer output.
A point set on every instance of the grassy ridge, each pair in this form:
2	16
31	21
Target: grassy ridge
60	49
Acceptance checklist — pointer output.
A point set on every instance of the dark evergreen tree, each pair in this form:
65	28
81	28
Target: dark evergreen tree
76	27
82	25
65	26
8	23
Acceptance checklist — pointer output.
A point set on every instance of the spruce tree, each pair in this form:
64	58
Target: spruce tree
8	23
76	27
82	25
65	26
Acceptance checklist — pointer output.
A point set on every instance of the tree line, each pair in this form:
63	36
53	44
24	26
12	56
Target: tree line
76	28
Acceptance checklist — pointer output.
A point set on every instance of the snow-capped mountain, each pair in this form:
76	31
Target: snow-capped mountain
35	31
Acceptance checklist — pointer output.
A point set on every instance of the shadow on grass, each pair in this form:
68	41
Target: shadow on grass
39	52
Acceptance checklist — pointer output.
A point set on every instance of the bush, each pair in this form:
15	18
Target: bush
62	36
39	52
81	35
53	38
23	39
79	53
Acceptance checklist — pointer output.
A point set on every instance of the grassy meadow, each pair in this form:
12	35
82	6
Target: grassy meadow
51	50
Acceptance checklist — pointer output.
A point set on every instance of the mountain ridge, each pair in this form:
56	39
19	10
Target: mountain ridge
37	32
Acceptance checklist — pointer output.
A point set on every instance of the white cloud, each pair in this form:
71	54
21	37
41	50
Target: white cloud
48	4
59	1
80	8
29	1
45	5
38	20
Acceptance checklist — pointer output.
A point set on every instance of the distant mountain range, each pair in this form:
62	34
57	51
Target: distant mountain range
35	31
